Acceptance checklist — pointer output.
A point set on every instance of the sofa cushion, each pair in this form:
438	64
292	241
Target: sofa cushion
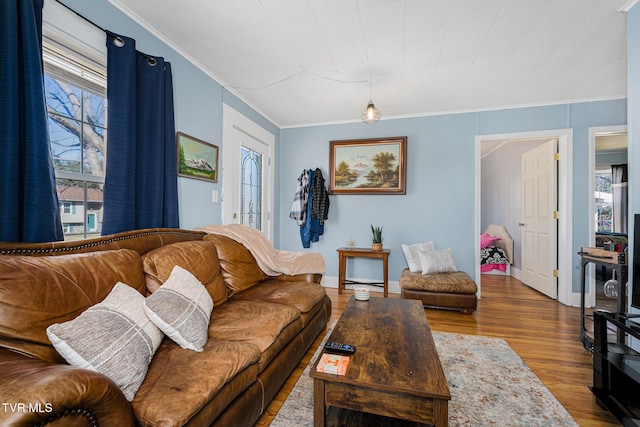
181	384
239	268
181	309
306	297
199	257
36	292
114	337
258	323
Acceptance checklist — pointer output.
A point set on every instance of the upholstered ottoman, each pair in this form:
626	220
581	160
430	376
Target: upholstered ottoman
453	291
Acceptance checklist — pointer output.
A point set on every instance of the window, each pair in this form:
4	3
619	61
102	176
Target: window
251	189
604	201
76	104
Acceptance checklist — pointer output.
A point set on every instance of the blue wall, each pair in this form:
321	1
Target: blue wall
440	200
441	173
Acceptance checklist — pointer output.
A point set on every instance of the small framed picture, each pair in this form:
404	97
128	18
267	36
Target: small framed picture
196	158
368	166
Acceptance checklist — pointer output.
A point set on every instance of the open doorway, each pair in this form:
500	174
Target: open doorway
608	152
486	145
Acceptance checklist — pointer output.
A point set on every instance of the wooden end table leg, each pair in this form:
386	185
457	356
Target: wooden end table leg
341	272
385	268
318	403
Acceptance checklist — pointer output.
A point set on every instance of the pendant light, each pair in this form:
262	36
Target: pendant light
371	114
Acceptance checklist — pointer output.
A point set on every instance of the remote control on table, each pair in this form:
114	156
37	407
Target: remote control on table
339	348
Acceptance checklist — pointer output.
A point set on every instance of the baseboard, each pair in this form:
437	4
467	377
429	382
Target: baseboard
516	272
332	282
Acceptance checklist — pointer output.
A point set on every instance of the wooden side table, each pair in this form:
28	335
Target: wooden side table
344	253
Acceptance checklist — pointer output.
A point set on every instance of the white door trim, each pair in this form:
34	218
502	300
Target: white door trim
590	297
565	207
232	119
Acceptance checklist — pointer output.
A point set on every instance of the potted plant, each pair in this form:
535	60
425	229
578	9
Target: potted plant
376	238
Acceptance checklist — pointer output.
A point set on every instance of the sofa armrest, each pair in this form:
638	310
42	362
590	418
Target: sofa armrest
309	277
37	392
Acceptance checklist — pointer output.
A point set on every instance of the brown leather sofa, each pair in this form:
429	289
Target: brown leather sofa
260	328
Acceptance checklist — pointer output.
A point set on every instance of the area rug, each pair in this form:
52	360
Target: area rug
489	384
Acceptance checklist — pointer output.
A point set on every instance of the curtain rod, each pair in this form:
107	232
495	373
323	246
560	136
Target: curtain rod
81	16
151	58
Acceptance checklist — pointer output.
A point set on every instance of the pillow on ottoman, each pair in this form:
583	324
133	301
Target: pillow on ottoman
437	261
181	308
411	254
114	337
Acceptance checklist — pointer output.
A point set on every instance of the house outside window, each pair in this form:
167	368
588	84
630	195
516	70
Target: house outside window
75	91
604	201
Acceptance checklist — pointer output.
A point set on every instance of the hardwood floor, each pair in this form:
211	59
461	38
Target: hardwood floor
543	332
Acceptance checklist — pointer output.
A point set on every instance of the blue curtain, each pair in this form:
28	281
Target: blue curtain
29	209
141	182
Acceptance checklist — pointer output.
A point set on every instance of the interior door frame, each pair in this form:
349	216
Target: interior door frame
234	120
590	296
565	207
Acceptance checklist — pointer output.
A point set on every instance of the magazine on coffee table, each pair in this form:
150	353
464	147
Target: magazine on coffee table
333	364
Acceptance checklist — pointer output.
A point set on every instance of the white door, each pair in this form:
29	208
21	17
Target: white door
539	225
247	173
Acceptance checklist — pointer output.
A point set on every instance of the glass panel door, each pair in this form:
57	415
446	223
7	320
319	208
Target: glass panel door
251	188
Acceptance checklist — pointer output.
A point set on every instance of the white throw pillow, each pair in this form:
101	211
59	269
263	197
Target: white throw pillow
181	308
411	254
114	337
437	261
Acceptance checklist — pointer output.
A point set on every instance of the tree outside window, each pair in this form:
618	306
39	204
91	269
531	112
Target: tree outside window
76	106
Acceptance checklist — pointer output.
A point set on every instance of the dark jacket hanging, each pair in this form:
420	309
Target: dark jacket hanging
320	201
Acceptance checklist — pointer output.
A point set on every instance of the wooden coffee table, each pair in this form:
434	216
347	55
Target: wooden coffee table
395	372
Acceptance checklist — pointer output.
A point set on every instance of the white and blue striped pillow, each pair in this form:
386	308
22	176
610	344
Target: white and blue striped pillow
114	337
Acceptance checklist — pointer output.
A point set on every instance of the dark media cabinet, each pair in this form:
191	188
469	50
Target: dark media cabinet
616	366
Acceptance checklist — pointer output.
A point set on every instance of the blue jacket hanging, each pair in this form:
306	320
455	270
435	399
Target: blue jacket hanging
310	206
311	230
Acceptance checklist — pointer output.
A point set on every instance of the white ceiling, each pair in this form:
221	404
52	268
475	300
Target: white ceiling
304	62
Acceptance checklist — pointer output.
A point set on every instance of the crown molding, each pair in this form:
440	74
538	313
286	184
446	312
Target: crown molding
628	5
118	4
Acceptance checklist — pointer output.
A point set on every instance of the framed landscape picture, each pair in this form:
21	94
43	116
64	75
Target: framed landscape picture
196	158
368	166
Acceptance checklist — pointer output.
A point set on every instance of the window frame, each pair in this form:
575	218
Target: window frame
74	53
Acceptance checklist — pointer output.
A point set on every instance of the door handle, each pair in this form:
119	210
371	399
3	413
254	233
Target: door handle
235	215
521	224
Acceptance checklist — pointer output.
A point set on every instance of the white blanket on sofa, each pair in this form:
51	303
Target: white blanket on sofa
270	260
